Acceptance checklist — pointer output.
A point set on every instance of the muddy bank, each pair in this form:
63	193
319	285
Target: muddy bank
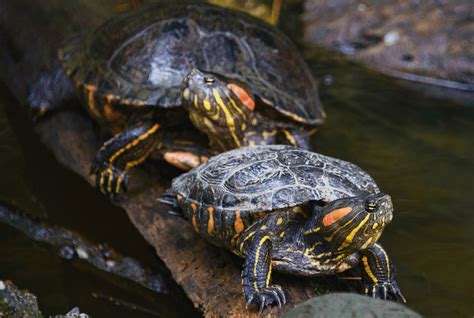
422	41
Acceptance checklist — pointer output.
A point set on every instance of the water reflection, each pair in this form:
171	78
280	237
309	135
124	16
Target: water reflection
420	150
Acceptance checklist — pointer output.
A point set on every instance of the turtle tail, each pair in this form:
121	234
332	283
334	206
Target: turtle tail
169	198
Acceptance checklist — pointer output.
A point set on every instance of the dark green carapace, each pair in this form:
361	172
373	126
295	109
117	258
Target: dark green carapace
241	81
289	210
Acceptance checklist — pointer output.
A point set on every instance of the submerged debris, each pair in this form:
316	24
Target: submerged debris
71	245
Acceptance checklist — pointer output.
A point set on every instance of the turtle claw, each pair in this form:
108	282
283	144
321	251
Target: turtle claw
385	290
109	180
270	295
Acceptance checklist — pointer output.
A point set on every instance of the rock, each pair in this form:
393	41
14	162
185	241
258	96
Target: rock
16	303
349	305
429	41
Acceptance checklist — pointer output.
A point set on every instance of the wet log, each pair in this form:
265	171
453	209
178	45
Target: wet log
30	33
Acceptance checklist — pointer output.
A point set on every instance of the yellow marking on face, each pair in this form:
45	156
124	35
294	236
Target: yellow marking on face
315	230
329	239
196	101
366	244
351	235
282	234
279	221
368	270
234	105
207	105
210	223
290	137
209	125
263	228
257	256
238	224
229	119
309	250
375	226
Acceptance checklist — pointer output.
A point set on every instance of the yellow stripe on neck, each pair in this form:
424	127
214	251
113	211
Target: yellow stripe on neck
229	119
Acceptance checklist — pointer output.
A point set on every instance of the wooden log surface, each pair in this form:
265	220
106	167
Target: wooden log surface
30	33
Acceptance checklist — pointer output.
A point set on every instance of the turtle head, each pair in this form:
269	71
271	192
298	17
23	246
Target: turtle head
218	106
355	223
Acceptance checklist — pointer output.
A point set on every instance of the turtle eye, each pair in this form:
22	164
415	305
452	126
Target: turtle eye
371	205
209	80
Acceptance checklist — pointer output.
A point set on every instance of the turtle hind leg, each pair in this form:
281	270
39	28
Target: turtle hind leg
49	91
256	244
182	149
123	152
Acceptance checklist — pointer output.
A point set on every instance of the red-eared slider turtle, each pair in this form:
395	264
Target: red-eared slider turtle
243	83
289	210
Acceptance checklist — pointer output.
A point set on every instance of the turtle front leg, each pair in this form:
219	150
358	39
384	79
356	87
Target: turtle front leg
256	245
123	152
379	274
50	91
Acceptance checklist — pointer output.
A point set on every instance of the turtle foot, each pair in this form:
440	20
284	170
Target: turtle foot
267	296
108	179
385	290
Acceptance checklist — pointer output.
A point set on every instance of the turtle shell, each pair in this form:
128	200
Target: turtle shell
141	58
265	178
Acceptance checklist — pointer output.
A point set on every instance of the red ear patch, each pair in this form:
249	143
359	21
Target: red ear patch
242	95
335	215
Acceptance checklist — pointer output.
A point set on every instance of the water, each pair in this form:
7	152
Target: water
419	149
33	181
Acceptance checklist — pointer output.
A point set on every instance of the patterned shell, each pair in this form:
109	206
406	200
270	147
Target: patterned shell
142	57
265	178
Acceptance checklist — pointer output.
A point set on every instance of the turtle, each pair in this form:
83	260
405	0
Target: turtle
238	80
290	210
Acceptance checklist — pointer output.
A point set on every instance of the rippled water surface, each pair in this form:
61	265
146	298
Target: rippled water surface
419	149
